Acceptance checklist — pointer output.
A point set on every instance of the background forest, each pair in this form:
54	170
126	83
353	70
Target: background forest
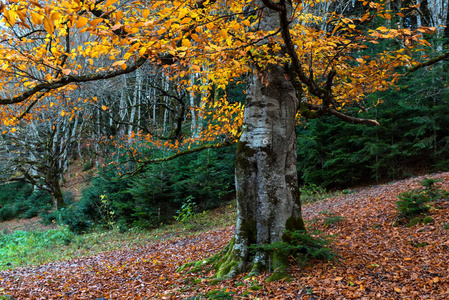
106	136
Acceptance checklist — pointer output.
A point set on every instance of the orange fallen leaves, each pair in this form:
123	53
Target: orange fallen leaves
378	261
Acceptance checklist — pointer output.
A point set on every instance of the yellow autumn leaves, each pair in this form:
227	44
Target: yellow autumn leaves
217	42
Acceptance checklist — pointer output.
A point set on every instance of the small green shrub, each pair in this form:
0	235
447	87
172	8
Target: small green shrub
255	287
331	218
427	220
446	226
415	202
39	201
311	193
20	207
420	245
26	203
432	191
187	211
220	294
7	213
31	213
72	217
88	165
414	222
11	192
107	214
412	203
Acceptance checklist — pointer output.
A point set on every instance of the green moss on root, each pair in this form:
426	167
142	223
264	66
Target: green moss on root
280	266
228	263
197	266
256	269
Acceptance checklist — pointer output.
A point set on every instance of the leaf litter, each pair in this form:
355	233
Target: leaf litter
378	260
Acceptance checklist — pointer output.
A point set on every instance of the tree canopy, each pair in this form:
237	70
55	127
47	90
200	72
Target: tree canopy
48	49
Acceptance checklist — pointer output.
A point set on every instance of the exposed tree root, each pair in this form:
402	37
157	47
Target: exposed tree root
229	263
280	267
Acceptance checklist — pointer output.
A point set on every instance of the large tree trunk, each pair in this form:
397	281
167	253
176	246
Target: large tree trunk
266	177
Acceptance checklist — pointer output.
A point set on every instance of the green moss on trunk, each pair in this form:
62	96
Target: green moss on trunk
293	223
243	154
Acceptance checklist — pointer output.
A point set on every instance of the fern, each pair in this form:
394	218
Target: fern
301	245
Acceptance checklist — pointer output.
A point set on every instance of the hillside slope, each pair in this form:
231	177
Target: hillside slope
379	260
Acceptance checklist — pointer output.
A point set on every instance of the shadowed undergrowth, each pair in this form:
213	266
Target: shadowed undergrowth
28	248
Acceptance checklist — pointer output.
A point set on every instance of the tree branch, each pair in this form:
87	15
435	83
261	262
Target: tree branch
342	116
427	63
179	154
66	80
324	94
27	110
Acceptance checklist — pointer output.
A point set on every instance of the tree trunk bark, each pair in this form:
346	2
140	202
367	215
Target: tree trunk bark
266	178
54	187
58	198
268	200
439	11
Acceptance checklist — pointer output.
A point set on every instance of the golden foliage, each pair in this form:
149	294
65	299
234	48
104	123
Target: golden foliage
48	44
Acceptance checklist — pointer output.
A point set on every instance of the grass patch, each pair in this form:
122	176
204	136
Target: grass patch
30	248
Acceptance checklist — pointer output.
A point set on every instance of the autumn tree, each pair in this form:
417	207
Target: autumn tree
38	151
293	65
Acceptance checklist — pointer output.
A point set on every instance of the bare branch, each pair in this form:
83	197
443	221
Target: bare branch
342	116
179	154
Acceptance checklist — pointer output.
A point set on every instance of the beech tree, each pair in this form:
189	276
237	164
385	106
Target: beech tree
292	64
39	153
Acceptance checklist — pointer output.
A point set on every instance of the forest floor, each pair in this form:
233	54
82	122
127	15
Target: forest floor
380	258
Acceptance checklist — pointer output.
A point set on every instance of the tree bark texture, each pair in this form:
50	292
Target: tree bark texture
56	193
268	200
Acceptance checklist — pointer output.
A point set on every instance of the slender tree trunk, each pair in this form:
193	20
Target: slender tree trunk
121	132
446	29
56	195
134	103
97	142
193	108
439	12
418	15
266	178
